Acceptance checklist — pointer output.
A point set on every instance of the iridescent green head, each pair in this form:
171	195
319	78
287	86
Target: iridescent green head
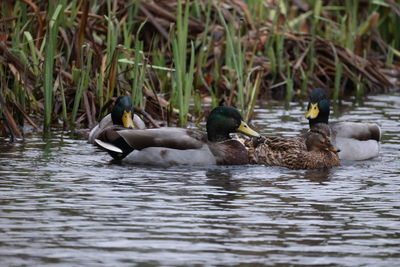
225	120
122	112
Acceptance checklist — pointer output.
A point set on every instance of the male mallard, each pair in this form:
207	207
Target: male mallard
121	115
179	146
356	141
311	150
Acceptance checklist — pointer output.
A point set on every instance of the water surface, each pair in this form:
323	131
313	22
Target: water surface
64	202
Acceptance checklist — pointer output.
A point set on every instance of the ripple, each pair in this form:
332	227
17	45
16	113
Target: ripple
64	202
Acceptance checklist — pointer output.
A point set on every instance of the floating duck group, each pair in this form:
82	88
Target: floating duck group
124	136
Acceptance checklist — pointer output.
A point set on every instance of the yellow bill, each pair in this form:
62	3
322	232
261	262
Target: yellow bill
245	129
313	111
127	120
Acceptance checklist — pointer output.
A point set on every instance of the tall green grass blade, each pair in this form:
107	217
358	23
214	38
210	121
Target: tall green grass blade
189	82
111	51
100	88
155	67
390	55
63	102
235	58
51	46
83	83
304	82
279	42
138	72
33	52
254	91
181	89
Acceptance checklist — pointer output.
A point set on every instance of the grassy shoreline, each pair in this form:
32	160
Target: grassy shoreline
64	61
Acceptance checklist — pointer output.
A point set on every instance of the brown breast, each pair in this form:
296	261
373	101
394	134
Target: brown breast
230	152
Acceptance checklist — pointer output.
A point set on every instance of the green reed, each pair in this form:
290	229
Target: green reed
83	80
183	82
138	73
51	46
235	59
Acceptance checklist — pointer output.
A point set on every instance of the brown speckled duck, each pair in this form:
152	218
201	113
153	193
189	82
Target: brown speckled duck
311	150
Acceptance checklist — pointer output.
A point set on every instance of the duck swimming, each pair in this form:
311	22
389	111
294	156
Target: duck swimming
121	116
311	150
179	146
355	140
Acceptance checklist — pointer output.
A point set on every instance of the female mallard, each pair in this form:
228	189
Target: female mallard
121	116
311	150
356	141
179	146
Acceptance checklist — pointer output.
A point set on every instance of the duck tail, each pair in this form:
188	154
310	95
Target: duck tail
111	142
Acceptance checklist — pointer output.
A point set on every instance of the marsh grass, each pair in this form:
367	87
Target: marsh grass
183	78
62	52
139	68
83	78
51	46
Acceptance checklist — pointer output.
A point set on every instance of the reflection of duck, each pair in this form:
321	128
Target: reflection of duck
312	150
224	188
177	146
318	175
356	141
121	116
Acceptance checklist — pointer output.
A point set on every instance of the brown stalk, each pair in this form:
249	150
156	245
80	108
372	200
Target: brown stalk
112	78
26	116
153	21
89	112
90	15
81	32
159	11
11	58
14	130
147	116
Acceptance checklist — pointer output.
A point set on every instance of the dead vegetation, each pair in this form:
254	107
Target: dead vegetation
63	64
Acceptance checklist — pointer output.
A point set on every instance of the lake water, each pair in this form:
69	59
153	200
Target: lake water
64	203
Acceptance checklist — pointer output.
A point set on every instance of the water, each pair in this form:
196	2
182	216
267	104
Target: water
62	202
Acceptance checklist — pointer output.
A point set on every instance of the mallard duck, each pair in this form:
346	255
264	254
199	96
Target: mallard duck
311	150
121	116
355	140
179	146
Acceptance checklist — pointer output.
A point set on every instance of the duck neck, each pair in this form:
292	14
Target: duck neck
217	136
319	119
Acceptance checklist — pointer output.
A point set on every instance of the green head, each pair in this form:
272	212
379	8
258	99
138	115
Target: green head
122	112
225	120
318	108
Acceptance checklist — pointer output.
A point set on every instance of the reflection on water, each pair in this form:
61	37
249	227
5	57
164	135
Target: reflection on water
63	201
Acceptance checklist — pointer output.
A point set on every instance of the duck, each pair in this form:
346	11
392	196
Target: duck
311	150
355	140
168	146
122	116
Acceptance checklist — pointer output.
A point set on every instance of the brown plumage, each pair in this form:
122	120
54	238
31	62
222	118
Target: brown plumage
311	150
